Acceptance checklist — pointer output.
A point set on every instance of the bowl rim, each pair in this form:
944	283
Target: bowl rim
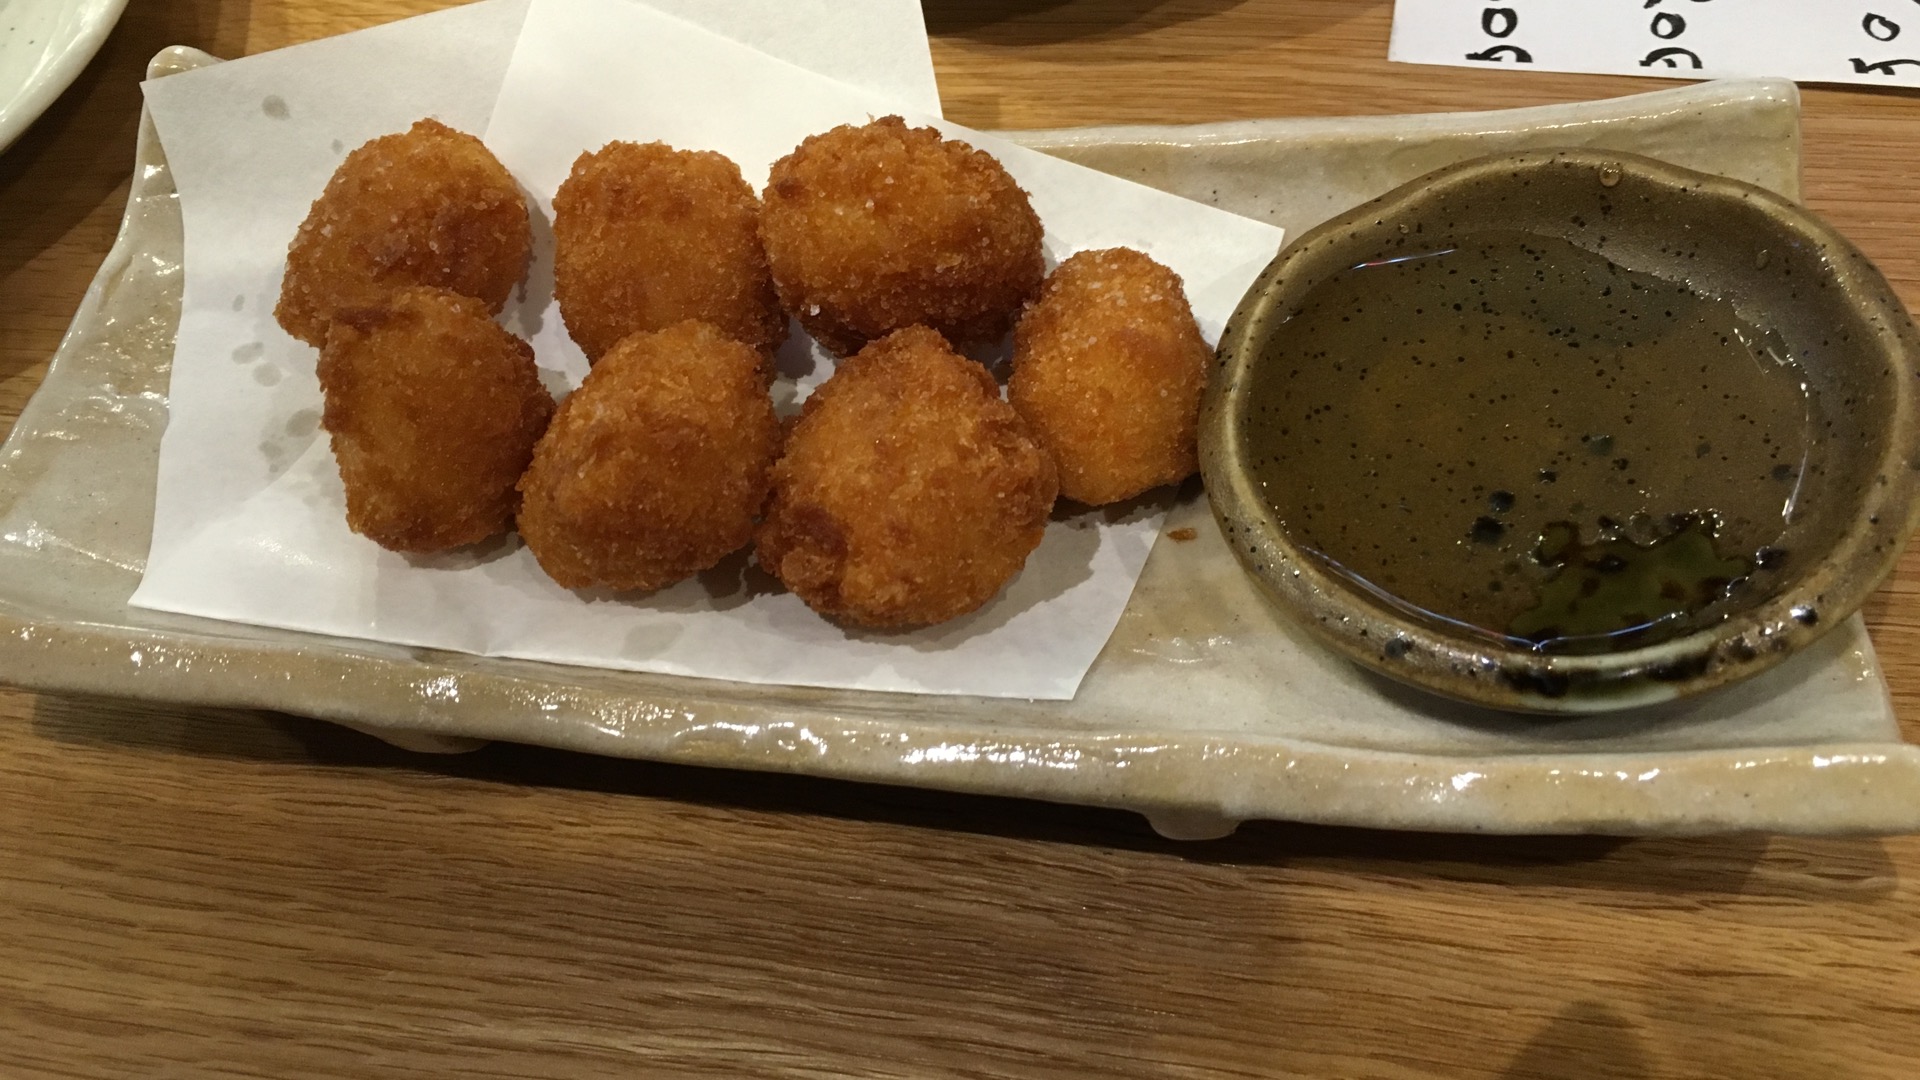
1478	669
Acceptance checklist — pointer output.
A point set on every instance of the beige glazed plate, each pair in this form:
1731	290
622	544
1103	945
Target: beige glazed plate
1207	707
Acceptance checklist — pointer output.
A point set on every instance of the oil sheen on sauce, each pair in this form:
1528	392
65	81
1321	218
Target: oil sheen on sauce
1518	436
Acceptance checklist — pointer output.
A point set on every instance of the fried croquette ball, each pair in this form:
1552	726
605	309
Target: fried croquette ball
648	236
429	206
434	410
872	229
1108	367
909	492
655	469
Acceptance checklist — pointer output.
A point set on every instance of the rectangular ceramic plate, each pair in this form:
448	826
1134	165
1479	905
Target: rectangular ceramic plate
1205	709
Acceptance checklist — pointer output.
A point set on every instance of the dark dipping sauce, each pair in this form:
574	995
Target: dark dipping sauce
1518	436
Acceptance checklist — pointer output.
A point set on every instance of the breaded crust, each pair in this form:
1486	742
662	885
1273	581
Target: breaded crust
655	469
428	206
434	411
646	236
875	228
1108	369
909	493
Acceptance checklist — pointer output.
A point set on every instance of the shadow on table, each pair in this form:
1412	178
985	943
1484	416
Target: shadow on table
1047	22
1819	869
81	149
1587	1041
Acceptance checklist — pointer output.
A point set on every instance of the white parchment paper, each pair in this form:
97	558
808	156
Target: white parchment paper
250	523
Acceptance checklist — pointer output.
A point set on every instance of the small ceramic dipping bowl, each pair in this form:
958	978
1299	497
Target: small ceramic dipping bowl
1301	439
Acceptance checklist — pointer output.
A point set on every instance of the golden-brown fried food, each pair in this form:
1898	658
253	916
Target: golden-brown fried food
909	492
1108	367
434	410
648	236
656	467
875	228
429	206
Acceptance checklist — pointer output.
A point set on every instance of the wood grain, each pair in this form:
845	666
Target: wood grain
205	894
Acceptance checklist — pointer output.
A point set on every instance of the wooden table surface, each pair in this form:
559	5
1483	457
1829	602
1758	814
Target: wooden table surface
192	893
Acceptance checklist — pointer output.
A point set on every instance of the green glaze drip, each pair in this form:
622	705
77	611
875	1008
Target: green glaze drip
1613	588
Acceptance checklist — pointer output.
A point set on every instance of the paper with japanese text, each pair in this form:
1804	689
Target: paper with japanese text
1874	42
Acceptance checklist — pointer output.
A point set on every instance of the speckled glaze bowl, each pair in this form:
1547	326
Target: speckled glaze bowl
1855	344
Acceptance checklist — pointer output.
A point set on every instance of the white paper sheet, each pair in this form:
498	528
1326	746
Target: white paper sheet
1876	42
254	528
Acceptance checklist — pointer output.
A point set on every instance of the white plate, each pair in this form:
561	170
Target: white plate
1206	708
44	44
